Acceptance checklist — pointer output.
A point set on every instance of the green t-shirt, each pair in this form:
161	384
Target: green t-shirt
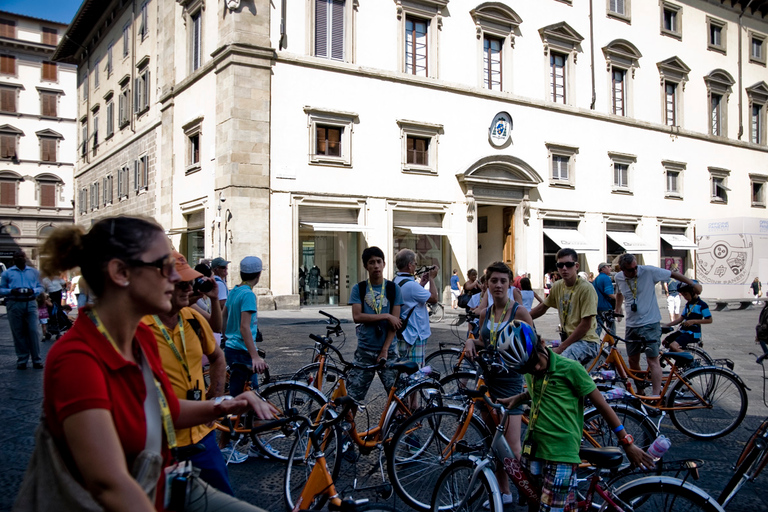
558	430
573	304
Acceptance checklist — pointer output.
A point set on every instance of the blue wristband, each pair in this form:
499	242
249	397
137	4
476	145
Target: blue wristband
618	429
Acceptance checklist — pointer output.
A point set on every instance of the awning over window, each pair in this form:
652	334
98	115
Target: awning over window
419	230
324	226
630	241
569	238
679	242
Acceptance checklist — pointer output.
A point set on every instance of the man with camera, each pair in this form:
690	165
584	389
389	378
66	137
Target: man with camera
20	284
412	338
636	285
183	336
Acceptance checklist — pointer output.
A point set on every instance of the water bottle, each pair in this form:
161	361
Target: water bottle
607	374
421	374
613	394
659	447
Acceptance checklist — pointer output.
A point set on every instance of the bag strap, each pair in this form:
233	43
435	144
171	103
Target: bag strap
152	411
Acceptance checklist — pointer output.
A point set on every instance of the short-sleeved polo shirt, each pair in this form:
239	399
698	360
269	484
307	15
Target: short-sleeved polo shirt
641	290
574	303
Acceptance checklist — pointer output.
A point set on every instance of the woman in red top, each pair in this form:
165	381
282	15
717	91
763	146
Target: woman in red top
94	386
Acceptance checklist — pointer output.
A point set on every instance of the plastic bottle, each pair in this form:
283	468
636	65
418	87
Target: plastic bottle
421	374
659	447
613	394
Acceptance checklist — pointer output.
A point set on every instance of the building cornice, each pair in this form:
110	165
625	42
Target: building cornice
28	46
37	117
505	97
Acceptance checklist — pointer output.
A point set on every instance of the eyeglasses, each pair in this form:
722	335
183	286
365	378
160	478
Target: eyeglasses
630	270
164	264
185	284
566	264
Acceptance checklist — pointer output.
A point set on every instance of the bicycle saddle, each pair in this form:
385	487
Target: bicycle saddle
680	358
406	367
604	458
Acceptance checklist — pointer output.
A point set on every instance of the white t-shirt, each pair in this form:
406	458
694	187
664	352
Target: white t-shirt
223	292
527	299
641	291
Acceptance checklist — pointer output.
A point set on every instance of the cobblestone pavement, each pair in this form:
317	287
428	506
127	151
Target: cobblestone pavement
286	333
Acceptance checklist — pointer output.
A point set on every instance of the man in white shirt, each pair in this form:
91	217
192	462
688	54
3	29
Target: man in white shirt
220	270
412	341
636	284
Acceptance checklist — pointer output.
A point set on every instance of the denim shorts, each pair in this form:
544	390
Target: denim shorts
582	351
651	333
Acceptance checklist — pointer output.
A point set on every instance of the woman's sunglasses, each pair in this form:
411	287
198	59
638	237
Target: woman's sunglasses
164	264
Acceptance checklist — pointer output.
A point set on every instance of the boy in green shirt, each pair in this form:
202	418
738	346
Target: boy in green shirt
557	387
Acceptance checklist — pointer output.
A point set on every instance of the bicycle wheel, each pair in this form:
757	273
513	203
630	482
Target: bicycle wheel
417	397
420	449
723	407
308	375
750	463
436	313
454	484
301	462
454	386
285	396
446	361
376	507
700	356
663	494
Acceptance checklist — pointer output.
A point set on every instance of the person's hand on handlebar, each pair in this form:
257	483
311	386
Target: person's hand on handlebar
514	400
638	457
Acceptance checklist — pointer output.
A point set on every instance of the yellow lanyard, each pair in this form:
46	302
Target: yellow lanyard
565	307
633	289
169	340
165	410
536	408
495	326
377	304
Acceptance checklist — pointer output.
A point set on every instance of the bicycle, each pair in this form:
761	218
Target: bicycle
704	402
436	312
308	483
428	440
471	484
754	456
449	358
323	372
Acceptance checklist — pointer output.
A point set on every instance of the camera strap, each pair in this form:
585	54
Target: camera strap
174	349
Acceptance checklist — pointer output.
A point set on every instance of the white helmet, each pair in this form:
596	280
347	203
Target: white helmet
518	344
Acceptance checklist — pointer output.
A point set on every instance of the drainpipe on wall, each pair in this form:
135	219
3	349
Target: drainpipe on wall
592	52
741	94
283	31
133	66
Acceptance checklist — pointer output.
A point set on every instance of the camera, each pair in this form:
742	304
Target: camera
634	308
202	285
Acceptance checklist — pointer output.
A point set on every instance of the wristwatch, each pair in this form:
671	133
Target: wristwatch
219	399
627	440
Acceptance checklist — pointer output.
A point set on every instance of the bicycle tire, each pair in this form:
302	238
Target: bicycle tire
308	375
414	455
445	361
300	464
454	386
700	356
726	406
376	507
287	395
436	313
752	460
428	394
663	494
452	486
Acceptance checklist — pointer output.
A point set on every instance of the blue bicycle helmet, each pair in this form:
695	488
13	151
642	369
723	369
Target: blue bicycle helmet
518	344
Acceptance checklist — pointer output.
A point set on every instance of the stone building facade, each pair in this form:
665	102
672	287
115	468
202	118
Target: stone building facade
38	134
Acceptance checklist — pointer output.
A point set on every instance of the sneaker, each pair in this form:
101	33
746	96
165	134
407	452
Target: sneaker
413	443
506	499
266	452
232	456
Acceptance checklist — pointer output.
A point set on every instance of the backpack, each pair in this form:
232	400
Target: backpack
389	292
761	329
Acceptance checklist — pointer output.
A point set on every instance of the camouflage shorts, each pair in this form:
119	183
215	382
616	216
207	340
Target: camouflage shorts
358	381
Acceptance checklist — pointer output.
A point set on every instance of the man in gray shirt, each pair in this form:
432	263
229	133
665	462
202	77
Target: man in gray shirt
636	285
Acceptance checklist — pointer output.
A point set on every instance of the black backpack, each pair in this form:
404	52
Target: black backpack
761	329
389	292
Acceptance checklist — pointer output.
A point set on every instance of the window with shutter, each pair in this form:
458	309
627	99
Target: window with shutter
119	183
670	91
195	40
621	175
329	140
144	25
7	65
126	39
416	46
329	29
50	36
48	149
560	167
756	131
50	102
109	61
7	146
8	28
136	184
144	171
8	193
492	48
417	150
8	99
48	194
50	71
110	118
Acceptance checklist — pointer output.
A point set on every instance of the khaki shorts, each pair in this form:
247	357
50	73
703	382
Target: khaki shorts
651	333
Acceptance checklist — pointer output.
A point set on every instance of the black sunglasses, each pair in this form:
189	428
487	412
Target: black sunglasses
164	264
567	264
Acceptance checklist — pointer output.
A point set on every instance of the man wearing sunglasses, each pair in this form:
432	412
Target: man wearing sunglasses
183	336
576	303
636	285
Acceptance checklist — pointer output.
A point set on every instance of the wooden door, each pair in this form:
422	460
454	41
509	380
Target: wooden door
509	237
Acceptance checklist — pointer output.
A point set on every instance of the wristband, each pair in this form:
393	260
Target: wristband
618	429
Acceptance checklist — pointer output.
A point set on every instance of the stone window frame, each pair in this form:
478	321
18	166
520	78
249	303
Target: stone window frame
49	179
141	174
42	92
15	178
719	82
143	29
109	102
336	119
496	21
123	182
676	167
107	193
422	130
8	131
758	95
192	9
723	26
94	195
349	25
109	64
623	55
142	87
626	16
193	128
563	150
717	173
675	71
49	134
124	111
677	32
761	60
432	12
629	161
83	146
125	37
762	181
563	39
95	114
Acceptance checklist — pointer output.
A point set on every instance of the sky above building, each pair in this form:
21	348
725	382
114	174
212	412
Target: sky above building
61	11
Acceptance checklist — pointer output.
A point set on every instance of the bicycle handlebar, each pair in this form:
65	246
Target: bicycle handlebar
347	365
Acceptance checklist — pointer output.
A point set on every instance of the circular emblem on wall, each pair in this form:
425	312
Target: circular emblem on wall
500	131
